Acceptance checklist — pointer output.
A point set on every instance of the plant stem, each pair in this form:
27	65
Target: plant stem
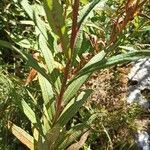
59	101
74	24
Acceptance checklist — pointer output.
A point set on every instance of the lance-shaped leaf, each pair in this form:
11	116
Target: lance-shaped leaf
114	60
54	12
28	112
41	25
72	135
49	59
73	107
75	84
53	135
85	12
22	135
34	16
28	58
48	106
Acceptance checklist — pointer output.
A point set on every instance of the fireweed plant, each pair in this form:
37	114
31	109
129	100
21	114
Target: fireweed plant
58	65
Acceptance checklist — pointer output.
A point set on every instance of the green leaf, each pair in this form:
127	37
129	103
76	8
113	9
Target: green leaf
49	62
54	12
46	88
114	60
74	87
73	107
48	98
96	58
73	134
76	83
38	22
22	135
145	28
28	112
84	1
85	12
28	58
53	134
46	53
34	16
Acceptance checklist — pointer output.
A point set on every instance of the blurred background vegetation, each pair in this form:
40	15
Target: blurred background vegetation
115	124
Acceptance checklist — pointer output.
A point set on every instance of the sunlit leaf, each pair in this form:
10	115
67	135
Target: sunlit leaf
47	54
75	85
78	145
48	98
28	112
22	135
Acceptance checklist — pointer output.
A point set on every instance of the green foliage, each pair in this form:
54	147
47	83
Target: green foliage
61	33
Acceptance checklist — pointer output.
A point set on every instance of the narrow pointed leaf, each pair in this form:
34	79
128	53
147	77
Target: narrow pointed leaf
22	135
73	107
49	62
28	112
73	134
74	87
28	58
114	60
32	14
53	135
75	84
41	25
48	97
85	12
54	11
56	20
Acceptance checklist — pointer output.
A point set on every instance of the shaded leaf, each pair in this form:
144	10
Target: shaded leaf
73	107
114	60
34	16
54	12
72	135
85	12
53	134
28	58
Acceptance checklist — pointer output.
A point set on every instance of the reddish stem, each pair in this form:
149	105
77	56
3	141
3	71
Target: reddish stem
59	101
74	23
